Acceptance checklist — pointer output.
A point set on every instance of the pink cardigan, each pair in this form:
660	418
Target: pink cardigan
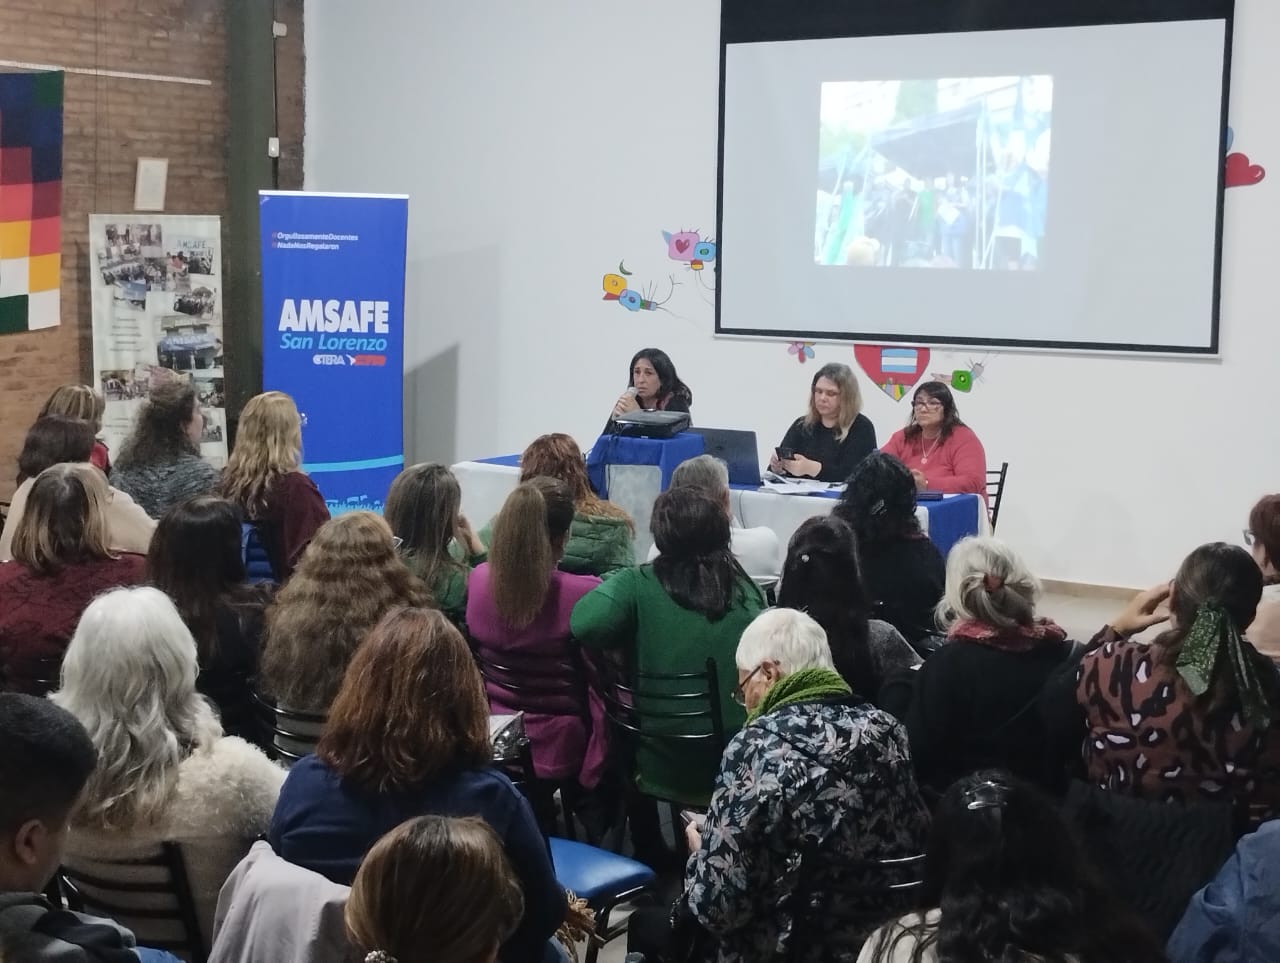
957	465
568	741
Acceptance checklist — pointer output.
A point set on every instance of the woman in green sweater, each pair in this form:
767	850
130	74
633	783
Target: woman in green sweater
601	539
436	540
692	602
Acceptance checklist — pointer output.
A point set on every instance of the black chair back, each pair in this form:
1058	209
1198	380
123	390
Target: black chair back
668	707
536	684
995	490
44	676
289	734
150	895
865	895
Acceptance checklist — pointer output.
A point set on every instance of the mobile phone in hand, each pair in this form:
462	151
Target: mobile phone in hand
688	816
785	454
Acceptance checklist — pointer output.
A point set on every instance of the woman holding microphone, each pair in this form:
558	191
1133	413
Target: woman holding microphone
653	385
829	440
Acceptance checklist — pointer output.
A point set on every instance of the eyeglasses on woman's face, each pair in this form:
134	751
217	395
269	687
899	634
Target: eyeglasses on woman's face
1249	538
739	693
926	404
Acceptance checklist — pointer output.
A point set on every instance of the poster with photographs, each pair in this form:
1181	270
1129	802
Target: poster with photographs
156	289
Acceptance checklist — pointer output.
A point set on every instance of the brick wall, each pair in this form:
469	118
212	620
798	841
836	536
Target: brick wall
110	122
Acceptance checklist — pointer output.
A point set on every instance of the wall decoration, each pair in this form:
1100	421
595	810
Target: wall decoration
963	379
894	369
690	247
30	201
156	292
803	350
616	288
1240	172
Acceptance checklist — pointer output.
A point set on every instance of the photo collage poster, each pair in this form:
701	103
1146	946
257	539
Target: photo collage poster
156	288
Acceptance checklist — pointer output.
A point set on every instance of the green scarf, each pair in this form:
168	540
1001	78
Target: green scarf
1212	631
806	685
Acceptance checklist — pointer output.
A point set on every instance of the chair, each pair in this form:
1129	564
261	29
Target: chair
45	677
885	886
257	560
604	879
150	895
995	491
541	686
289	734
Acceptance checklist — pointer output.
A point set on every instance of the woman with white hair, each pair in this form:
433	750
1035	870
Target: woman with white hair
979	700
815	769
165	773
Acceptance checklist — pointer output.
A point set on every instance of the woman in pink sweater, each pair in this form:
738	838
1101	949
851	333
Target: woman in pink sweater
943	453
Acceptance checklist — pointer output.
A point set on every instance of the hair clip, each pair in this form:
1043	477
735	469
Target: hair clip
992	583
379	956
878	507
985	795
805	558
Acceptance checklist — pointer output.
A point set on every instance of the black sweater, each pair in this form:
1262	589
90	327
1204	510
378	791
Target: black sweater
837	458
905	578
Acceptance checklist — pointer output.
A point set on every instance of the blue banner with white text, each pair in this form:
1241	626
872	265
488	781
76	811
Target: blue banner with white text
333	334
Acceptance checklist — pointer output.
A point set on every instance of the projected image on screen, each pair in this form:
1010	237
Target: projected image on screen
946	173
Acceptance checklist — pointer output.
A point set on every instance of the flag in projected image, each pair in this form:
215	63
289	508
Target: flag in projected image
30	200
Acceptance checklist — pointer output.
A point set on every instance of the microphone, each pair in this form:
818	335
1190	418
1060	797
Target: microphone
632	391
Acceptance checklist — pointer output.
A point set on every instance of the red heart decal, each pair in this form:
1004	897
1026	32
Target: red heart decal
682	245
892	367
1240	173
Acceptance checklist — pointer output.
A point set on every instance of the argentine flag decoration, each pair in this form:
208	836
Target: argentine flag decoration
333	269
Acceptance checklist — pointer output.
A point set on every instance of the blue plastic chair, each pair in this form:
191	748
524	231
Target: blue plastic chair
604	880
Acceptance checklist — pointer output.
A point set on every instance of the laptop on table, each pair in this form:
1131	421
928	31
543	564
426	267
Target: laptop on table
737	449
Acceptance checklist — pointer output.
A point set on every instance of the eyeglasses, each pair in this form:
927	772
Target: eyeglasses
1249	538
739	696
930	405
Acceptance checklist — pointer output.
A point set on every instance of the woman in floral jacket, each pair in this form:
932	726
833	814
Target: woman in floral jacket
814	770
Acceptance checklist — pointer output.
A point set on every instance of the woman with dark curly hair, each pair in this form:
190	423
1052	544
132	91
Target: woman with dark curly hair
160	463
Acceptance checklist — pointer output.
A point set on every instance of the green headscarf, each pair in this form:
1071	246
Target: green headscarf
806	685
1211	632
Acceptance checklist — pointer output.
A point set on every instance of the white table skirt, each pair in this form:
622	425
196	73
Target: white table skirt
485	487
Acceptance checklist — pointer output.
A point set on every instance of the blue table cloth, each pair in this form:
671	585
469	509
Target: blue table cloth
666	453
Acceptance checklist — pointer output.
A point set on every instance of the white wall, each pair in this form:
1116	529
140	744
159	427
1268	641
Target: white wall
542	143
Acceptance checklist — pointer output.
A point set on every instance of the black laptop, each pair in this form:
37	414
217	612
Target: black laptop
737	449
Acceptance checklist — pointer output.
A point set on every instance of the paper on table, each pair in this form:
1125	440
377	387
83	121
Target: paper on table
800	486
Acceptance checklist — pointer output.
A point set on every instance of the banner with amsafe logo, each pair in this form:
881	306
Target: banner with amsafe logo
333	334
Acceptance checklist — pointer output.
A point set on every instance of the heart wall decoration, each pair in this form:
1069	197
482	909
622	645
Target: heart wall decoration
893	368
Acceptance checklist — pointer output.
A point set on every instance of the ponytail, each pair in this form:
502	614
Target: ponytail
528	537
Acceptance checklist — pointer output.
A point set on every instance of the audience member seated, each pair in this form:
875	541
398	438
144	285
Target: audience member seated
85	403
46	757
600	540
941	451
756	549
902	569
1263	537
423	512
264	478
1236	917
348	578
690	604
815	769
653	385
829	439
165	773
822	577
1005	879
437	882
408	735
160	463
56	440
518	608
978	703
195	559
61	561
1192	715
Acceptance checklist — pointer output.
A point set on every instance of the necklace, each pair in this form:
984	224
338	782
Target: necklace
924	455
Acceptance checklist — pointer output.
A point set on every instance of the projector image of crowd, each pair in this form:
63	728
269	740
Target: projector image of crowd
234	728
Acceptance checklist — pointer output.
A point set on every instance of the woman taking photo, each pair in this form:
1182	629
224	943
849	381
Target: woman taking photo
87	404
829	440
1193	715
518	607
408	735
349	577
160	464
61	560
195	559
690	604
941	451
653	385
904	573
60	439
263	478
601	537
166	773
1006	879
423	512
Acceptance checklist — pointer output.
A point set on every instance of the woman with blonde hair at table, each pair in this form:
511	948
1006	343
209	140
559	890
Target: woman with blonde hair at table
829	440
264	478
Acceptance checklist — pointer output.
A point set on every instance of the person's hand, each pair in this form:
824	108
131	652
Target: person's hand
1147	609
626	403
803	467
775	465
693	837
921	482
467	537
